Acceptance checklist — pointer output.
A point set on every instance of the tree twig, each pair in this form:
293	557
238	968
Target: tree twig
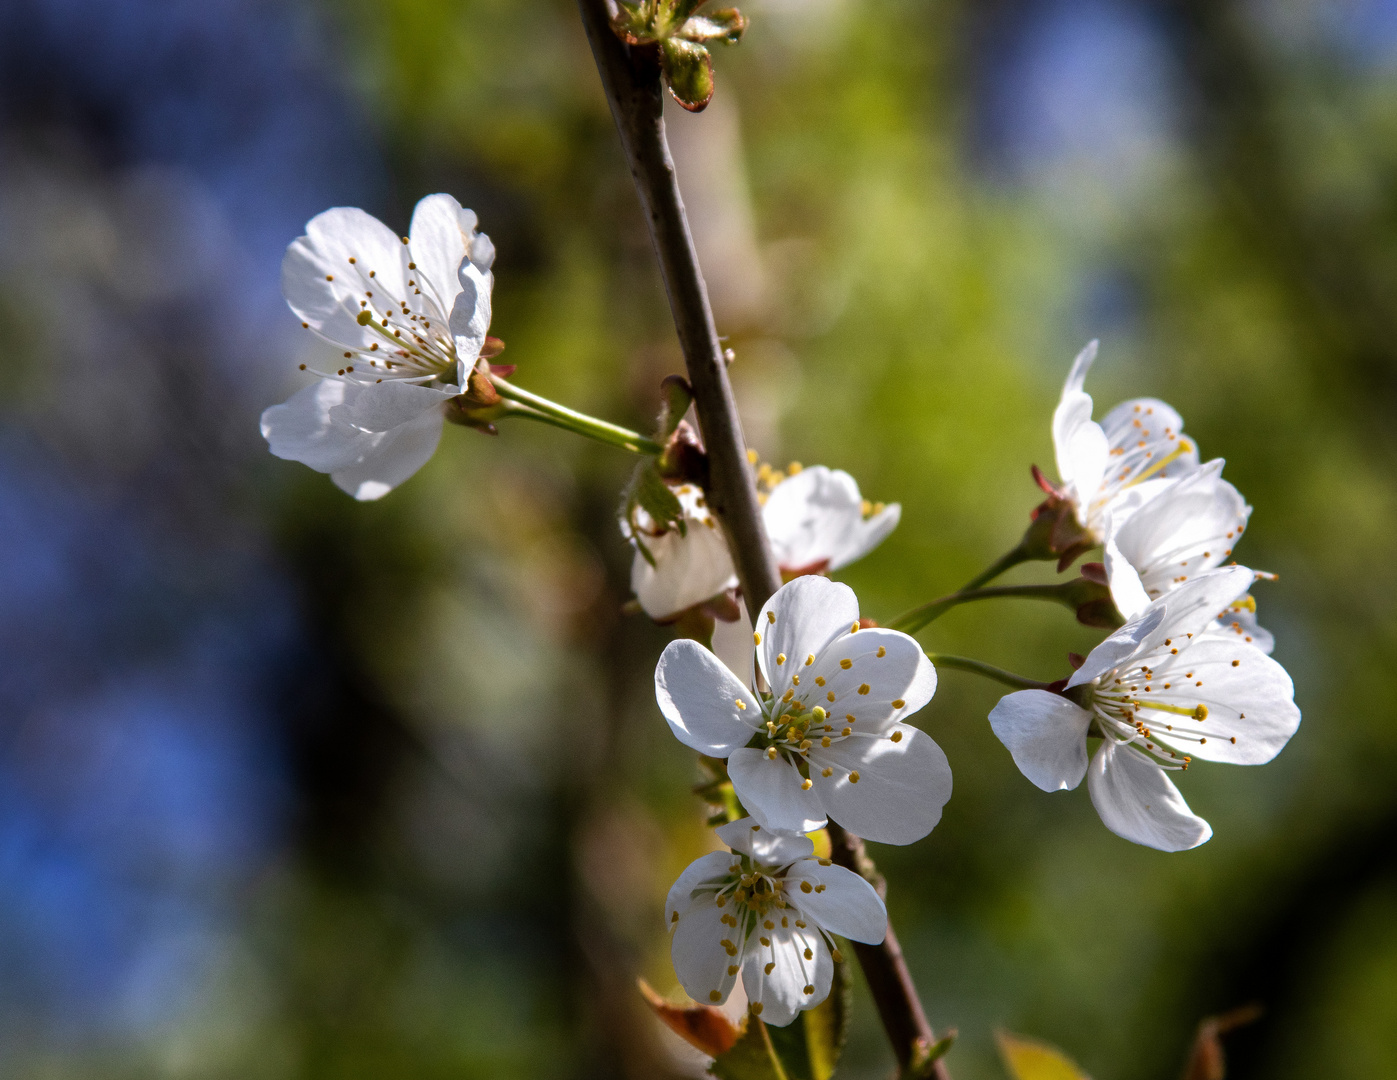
631	78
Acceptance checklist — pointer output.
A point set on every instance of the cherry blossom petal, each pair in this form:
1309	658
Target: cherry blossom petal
383	406
1251	711
770	789
470	313
766	846
688	570
782	992
1079	444
876	675
1238	623
815	518
900	790
732	643
708	709
321	284
440	238
1119	646
1047	736
1137	801
711	868
1163	427
307	428
700	959
393	457
839	901
799	621
1192	606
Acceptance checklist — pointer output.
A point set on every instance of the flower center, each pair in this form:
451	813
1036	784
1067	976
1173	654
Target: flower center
1132	705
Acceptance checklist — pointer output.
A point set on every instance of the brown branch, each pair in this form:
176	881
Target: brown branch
631	77
889	981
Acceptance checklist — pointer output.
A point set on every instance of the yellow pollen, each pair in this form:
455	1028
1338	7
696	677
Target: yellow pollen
806	784
809	989
795	680
751	457
780	658
826	772
898	703
771	753
809	659
769	924
853	778
896	736
742	704
756	1008
1201	713
829	696
836	956
771	616
766	942
824	862
770	967
757	637
805	887
846	664
846	731
1235	662
854	628
714	995
819	680
674	917
864	688
849	717
732	969
786	697
825	741
809	956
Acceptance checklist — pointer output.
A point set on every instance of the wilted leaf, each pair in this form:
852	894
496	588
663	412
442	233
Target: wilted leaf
702	1026
1028	1059
725	24
688	71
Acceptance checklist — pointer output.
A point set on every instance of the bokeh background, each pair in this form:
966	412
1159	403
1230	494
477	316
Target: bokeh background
292	787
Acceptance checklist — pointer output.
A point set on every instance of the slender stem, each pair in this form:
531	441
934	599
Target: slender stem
989	671
1006	561
571	420
911	621
889	980
631	78
776	1066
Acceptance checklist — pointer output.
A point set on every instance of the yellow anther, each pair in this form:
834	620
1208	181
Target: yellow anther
800	923
864	688
780	658
766	942
866	508
836	956
809	659
849	717
769	924
794	468
809	956
1200	713
825	741
805	744
806	887
742	704
756	637
898	703
715	996
829	696
770	967
808	988
756	1008
819	888
882	652
896	736
786	697
846	664
674	917
795	680
732	969
824	862
751	457
846	731
771	616
854	627
826	772
853	778
771	753
819	680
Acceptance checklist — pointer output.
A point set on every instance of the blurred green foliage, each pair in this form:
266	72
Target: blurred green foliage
488	879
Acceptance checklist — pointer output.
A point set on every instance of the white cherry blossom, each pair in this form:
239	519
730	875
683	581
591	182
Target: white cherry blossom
688	567
1138	445
1160	692
410	315
816	518
818	521
768	910
828	740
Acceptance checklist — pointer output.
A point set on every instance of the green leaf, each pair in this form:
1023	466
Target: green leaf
725	24
688	71
1028	1059
657	499
808	1047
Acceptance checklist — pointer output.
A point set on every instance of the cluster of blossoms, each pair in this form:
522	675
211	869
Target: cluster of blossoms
1188	676
810	719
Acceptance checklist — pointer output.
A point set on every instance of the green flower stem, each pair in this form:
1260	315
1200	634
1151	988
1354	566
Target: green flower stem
776	1066
912	621
1005	562
989	671
571	420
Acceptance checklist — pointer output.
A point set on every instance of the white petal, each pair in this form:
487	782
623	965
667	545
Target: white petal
782	992
392	457
305	429
1192	606
847	905
324	288
1047	736
1120	646
707	708
383	406
869	686
815	521
770	790
1156	417
1187	529
700	960
800	620
1138	801
767	846
688	570
711	868
1127	590
440	238
1239	623
1251	703
1078	442
470	313
732	644
1146	446
901	789
1081	366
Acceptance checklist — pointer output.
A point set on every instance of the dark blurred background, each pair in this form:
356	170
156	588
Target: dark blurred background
295	787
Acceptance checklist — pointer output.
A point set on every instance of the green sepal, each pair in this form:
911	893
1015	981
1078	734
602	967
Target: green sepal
725	24
809	1047
688	71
